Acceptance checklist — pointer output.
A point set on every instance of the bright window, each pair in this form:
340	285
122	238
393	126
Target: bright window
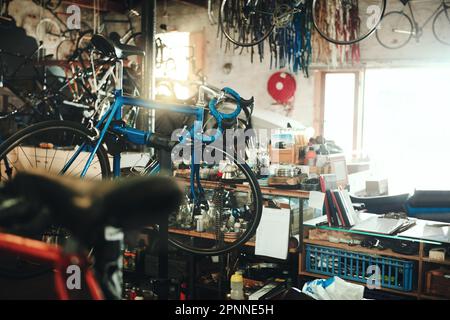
406	127
175	59
339	109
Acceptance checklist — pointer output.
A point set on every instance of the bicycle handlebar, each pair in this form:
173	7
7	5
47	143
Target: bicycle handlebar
229	93
221	116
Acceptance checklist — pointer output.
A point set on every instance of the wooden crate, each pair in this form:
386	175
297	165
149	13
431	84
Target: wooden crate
285	156
438	282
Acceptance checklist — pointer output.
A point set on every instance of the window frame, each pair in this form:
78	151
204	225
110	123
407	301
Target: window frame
358	112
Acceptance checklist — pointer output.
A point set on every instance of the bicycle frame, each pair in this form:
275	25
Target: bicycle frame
417	32
45	253
136	136
112	120
140	137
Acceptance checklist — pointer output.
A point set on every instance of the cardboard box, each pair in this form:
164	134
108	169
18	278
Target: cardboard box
438	282
377	187
292	142
285	156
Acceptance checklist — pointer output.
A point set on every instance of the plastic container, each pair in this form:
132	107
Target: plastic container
199	224
310	157
237	286
394	273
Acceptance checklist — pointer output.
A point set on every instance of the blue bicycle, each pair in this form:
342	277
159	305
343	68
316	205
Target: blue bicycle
223	198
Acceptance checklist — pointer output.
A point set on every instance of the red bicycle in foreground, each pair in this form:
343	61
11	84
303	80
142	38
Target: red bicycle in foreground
93	213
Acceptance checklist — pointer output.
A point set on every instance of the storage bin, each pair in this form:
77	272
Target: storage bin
438	283
349	265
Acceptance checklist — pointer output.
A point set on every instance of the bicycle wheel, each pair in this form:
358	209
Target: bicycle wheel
346	22
223	217
246	23
48	32
213	11
48	146
135	39
395	31
52	5
441	26
64	49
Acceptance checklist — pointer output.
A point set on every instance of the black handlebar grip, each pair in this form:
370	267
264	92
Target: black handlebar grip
247	103
161	142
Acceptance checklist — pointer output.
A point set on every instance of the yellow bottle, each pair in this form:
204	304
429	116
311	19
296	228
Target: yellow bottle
237	286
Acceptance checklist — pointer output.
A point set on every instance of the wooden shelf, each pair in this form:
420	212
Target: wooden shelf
420	258
302	194
430	297
446	262
343	246
210	236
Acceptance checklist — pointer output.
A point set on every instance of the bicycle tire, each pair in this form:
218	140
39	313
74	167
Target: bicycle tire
59	50
81	36
52	127
53	6
252	43
249	232
446	11
411	28
371	30
133	37
45	37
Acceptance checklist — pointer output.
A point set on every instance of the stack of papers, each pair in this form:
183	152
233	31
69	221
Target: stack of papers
379	224
272	235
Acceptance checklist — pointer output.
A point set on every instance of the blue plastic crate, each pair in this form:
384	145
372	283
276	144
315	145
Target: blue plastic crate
395	274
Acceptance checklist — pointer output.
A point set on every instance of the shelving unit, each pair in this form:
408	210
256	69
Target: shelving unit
210	236
420	259
301	195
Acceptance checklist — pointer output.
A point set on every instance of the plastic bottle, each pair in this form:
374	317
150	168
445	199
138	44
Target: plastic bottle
237	286
310	157
231	221
199	223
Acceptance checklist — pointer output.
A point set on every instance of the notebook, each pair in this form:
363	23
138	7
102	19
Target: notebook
379	224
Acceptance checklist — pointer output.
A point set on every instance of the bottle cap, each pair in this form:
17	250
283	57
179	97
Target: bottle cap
237	277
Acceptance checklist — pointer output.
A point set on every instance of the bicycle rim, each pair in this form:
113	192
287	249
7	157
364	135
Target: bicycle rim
395	31
47	146
48	31
135	39
232	195
246	23
84	39
64	49
441	26
346	22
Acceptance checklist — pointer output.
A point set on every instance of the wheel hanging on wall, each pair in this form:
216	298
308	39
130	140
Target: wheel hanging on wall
346	22
441	26
246	23
395	31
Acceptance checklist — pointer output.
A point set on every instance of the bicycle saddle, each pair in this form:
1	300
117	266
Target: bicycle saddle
84	207
114	49
125	50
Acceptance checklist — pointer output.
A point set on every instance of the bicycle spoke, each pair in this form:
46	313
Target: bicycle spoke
51	163
92	165
29	161
80	162
35	157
